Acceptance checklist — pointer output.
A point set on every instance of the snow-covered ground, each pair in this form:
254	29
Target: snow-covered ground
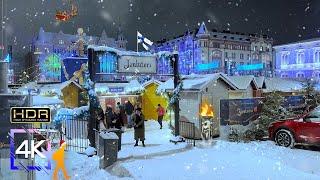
217	159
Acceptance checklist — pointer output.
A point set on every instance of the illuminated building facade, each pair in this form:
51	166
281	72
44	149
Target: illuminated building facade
299	60
204	51
48	50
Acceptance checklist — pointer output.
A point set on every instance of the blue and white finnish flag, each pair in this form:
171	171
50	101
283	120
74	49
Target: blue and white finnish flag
146	43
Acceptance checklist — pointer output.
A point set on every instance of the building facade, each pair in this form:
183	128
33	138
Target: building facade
48	50
299	60
205	51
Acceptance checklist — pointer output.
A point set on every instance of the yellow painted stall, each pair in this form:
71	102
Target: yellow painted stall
71	94
150	100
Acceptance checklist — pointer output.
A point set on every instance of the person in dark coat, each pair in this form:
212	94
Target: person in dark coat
129	110
122	112
117	121
138	120
109	116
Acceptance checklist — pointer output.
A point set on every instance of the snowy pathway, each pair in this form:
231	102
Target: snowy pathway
215	160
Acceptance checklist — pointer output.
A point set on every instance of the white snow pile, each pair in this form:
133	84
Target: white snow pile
63	113
90	151
45	100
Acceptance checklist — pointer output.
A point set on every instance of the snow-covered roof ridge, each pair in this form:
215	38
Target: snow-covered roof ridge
283	85
260	81
133	86
66	83
243	82
147	83
195	82
119	52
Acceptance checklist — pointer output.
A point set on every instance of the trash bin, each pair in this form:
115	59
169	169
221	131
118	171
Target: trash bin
119	134
108	149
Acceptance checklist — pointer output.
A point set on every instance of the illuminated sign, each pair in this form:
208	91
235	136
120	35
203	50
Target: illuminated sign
30	115
250	67
208	66
116	89
137	64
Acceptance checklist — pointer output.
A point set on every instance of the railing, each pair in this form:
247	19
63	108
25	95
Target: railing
188	131
74	132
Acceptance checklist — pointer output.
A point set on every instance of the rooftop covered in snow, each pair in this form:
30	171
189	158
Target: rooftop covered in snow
243	82
195	82
283	85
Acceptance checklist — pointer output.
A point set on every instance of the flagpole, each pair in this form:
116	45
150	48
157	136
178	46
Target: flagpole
137	42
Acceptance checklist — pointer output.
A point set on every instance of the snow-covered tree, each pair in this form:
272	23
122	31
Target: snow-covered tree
311	95
272	110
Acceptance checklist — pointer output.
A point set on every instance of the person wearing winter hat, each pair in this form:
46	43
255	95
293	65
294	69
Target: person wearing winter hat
138	120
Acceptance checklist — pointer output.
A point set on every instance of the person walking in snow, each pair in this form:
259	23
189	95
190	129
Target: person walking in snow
117	121
161	111
109	116
129	110
138	120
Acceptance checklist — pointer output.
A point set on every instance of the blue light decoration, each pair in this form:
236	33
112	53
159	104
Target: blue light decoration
108	63
208	66
250	67
8	58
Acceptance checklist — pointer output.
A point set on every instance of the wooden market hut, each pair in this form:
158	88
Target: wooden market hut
71	92
151	99
200	99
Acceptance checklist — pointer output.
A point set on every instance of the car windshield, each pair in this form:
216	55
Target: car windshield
315	115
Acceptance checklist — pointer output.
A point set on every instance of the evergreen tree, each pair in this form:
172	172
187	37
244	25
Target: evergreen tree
272	110
311	95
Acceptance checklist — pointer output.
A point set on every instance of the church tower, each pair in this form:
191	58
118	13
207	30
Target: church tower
121	40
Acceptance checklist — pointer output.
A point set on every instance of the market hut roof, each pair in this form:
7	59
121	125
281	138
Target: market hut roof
196	82
260	82
243	82
282	85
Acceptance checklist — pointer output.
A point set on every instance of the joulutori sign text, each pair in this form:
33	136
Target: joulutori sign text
137	64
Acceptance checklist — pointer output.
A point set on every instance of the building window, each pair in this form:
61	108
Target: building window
248	56
316	74
285	58
241	56
233	55
284	75
226	54
300	75
316	56
300	58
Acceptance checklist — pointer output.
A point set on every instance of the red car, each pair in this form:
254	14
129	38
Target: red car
304	130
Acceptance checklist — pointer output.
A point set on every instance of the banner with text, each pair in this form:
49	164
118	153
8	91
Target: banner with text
137	64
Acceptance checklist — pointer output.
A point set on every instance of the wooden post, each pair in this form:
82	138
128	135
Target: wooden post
176	102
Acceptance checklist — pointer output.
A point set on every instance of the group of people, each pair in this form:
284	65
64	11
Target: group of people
132	116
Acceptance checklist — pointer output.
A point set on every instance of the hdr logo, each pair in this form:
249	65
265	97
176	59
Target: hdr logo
30	115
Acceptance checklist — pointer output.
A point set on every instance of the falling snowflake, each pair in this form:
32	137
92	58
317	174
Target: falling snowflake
155	14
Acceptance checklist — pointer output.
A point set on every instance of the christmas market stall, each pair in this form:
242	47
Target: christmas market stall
151	99
111	93
199	103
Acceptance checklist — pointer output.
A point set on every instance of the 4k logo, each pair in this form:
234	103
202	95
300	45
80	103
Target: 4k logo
34	149
24	149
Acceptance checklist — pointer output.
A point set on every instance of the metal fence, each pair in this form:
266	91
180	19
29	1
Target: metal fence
188	131
74	132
